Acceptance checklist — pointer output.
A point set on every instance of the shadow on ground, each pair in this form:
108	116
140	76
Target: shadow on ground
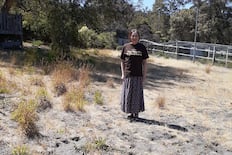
154	122
157	76
104	67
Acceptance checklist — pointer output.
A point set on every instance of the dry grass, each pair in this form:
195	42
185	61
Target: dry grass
95	145
98	98
37	81
42	93
64	72
20	150
25	114
160	101
208	69
110	83
84	76
3	84
74	100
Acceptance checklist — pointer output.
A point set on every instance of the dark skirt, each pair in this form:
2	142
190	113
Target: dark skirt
132	100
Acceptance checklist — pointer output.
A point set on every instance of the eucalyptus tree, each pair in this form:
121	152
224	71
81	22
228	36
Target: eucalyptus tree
215	21
160	16
182	25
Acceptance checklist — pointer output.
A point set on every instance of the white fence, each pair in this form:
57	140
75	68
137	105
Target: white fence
191	50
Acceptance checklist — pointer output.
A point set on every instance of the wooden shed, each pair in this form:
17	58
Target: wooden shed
11	33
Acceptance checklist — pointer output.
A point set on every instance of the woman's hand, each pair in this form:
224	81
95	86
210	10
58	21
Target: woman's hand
122	77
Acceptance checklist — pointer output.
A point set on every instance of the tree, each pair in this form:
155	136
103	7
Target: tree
214	21
183	25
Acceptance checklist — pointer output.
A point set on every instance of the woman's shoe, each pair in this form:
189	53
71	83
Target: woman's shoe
130	116
135	115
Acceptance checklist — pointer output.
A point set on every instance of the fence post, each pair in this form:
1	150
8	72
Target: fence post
176	49
209	52
214	53
227	53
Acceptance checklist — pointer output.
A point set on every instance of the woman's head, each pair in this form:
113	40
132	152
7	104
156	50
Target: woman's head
134	36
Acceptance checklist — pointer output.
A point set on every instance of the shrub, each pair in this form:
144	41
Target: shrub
25	114
37	42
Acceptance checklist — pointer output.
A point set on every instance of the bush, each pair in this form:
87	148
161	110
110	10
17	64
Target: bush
26	116
88	38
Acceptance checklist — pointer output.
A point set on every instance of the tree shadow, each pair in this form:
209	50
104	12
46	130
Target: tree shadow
161	76
157	75
154	122
104	67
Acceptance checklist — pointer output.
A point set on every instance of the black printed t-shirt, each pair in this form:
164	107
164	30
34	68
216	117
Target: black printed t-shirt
133	56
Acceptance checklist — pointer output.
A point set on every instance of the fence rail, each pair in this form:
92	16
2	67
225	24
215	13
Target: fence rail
213	52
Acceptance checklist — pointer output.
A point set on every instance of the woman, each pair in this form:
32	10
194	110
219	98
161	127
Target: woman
134	69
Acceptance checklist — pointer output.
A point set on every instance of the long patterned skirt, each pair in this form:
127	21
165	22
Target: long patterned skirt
132	100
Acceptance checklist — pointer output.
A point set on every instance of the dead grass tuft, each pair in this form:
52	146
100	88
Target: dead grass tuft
20	150
37	81
84	76
110	83
208	69
95	145
64	72
160	101
74	100
98	98
3	84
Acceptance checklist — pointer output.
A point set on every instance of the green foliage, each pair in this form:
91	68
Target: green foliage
37	42
60	22
183	25
88	38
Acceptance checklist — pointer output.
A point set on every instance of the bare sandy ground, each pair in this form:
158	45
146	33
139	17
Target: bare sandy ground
196	118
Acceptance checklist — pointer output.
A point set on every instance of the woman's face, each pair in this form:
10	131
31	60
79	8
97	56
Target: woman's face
134	37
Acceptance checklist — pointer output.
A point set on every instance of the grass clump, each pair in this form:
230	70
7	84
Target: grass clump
74	100
43	100
110	83
208	69
37	81
160	101
20	150
98	144
3	84
98	98
84	78
64	72
42	93
25	114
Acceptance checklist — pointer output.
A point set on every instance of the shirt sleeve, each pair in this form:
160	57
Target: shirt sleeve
145	53
122	53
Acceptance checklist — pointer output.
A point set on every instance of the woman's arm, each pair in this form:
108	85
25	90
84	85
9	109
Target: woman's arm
122	69
144	69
